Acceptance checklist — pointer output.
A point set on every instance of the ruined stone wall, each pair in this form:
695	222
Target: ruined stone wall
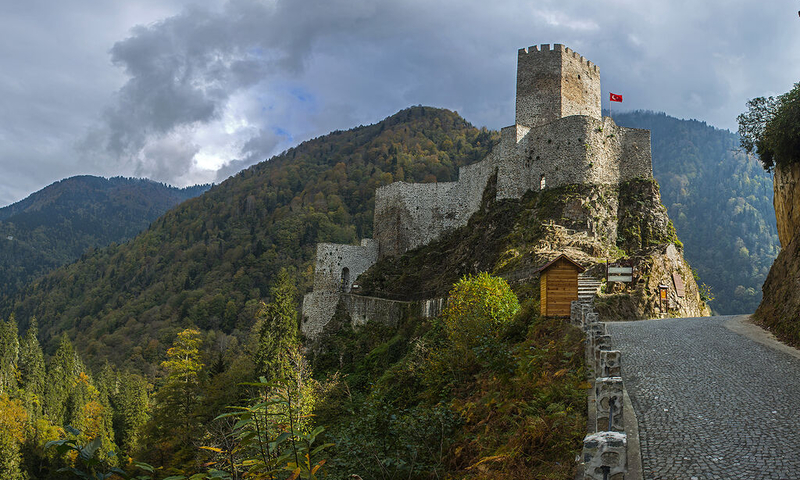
555	83
636	160
363	310
318	309
408	215
559	139
320	306
337	266
573	150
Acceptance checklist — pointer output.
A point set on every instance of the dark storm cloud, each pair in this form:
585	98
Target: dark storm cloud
241	81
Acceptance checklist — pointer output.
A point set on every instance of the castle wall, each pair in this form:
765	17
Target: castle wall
636	160
363	310
555	83
408	215
571	150
318	309
333	259
580	86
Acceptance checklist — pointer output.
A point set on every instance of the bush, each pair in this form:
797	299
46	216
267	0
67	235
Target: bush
478	306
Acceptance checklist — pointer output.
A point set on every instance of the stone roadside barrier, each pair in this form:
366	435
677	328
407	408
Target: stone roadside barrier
605	454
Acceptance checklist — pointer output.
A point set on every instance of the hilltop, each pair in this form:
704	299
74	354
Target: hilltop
212	259
57	224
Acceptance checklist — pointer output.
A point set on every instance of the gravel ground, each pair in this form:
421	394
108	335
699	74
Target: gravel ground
711	403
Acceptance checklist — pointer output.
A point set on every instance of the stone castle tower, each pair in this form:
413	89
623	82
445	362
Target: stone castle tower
557	83
559	138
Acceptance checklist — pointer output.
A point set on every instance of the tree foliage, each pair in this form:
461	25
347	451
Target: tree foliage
771	128
278	329
478	306
210	261
13	418
175	424
57	224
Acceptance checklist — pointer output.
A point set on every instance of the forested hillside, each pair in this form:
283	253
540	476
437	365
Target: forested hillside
144	344
210	261
720	201
56	225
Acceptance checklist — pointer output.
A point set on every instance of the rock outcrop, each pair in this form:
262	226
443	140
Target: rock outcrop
780	304
787	201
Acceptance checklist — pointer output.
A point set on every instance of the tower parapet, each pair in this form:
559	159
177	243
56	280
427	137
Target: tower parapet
555	83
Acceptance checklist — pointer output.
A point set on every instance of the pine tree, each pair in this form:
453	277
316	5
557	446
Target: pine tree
130	411
32	369
62	373
277	334
174	424
9	355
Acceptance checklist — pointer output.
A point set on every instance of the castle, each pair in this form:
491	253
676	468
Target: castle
559	137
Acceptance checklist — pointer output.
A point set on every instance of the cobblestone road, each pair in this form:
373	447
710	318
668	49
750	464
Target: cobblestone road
711	403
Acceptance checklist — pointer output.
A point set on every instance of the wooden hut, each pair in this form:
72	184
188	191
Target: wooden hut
559	286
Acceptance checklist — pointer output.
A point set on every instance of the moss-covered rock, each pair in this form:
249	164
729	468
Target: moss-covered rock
590	223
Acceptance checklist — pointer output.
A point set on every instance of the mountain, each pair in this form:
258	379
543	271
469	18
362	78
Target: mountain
396	400
57	224
211	260
720	201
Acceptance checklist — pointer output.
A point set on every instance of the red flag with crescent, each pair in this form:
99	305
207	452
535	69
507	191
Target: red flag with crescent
615	97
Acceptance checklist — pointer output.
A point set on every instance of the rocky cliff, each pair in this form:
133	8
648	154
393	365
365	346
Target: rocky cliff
780	304
589	223
787	201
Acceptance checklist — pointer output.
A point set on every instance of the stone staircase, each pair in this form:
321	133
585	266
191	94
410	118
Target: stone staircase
587	288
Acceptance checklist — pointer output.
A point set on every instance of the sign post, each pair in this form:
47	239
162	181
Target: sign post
662	290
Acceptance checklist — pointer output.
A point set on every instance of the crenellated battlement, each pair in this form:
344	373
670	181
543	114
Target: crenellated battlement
559	48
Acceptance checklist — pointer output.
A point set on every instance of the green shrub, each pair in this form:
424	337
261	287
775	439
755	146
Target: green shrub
479	305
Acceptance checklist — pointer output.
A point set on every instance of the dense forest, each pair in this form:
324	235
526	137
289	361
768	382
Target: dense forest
178	312
209	261
720	200
488	390
57	224
143	344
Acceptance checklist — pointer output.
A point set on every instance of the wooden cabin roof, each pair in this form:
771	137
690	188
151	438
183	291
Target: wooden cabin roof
549	264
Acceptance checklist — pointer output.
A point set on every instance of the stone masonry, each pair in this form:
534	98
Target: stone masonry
559	138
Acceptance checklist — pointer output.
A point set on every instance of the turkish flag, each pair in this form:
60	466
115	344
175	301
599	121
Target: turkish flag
615	97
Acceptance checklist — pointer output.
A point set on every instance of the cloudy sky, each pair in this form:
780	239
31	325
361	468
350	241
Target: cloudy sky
189	92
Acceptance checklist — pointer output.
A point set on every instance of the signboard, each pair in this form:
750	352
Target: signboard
620	278
618	273
678	281
622	270
663	293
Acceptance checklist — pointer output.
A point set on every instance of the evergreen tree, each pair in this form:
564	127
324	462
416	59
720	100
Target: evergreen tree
9	355
62	373
130	411
277	329
32	369
175	425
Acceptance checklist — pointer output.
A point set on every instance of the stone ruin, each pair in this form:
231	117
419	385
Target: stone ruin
559	138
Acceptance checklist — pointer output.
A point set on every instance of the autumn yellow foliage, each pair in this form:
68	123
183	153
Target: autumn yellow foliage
478	306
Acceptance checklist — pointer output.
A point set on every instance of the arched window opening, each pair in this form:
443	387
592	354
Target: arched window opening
541	182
